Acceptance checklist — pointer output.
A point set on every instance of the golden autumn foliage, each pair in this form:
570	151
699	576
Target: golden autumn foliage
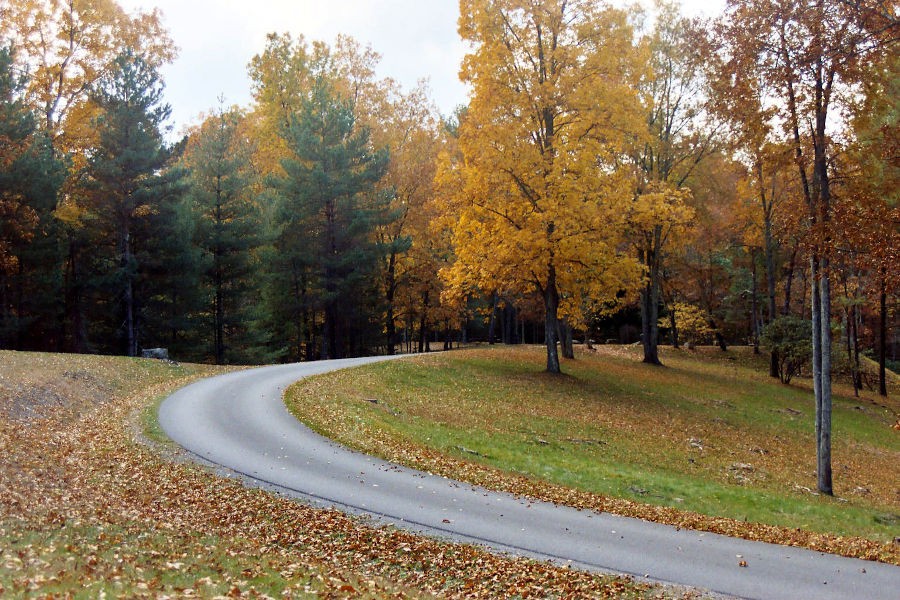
68	45
693	323
536	193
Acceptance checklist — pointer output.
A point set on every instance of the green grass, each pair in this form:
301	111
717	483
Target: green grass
150	422
680	437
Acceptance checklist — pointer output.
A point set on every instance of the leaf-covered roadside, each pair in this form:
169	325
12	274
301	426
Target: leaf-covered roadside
84	510
326	404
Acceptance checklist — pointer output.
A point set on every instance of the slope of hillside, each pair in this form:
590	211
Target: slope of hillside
710	442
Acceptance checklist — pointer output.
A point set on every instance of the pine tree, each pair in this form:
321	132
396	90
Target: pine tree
30	176
228	235
129	185
329	210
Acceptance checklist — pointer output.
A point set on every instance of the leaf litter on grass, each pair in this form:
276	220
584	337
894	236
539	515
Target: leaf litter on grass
675	420
86	511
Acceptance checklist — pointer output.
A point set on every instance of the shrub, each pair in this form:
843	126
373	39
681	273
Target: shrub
692	322
791	339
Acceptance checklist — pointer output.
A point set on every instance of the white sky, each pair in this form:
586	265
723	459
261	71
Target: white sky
417	39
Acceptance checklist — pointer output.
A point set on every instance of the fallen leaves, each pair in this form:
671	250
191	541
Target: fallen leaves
774	457
86	510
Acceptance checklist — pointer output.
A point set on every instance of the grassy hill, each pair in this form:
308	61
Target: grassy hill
88	509
709	442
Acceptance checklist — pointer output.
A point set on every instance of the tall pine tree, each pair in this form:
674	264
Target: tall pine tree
329	210
229	233
30	176
130	186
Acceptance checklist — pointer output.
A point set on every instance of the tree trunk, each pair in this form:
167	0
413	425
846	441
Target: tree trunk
391	289
492	324
816	309
754	304
824	406
770	276
720	339
788	283
448	335
882	336
510	323
423	324
650	303
220	315
128	295
565	337
551	311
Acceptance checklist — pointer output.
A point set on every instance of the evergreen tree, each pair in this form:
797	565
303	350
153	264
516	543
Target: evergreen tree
130	187
229	232
30	176
329	209
170	271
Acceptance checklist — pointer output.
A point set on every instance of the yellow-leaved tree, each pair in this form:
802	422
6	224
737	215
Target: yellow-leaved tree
535	189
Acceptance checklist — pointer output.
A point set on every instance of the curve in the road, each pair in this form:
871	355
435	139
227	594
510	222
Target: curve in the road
239	421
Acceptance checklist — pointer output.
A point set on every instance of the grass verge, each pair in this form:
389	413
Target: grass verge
709	442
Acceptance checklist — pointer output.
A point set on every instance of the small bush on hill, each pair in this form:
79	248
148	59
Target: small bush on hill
791	338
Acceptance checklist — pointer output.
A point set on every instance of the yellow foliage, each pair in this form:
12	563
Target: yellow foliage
68	45
535	195
692	322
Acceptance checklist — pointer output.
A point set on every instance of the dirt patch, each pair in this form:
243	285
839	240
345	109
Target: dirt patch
75	392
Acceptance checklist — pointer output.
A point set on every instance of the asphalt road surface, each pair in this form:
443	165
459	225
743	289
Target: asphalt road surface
238	421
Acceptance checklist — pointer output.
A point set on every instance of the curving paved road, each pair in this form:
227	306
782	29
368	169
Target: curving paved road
239	421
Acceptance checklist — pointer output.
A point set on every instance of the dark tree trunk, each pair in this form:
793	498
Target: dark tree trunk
510	322
824	406
720	339
551	311
565	336
492	324
128	295
389	326
448	335
220	315
754	304
649	326
882	336
788	283
424	345
650	302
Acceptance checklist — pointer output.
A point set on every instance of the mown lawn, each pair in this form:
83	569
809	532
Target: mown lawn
89	510
708	442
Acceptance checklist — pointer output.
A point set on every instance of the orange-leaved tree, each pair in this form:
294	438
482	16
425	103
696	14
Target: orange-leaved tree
813	55
537	191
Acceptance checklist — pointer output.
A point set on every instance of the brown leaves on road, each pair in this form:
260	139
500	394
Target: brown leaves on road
85	509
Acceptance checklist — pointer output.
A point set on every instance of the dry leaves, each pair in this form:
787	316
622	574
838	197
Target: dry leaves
332	422
84	509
